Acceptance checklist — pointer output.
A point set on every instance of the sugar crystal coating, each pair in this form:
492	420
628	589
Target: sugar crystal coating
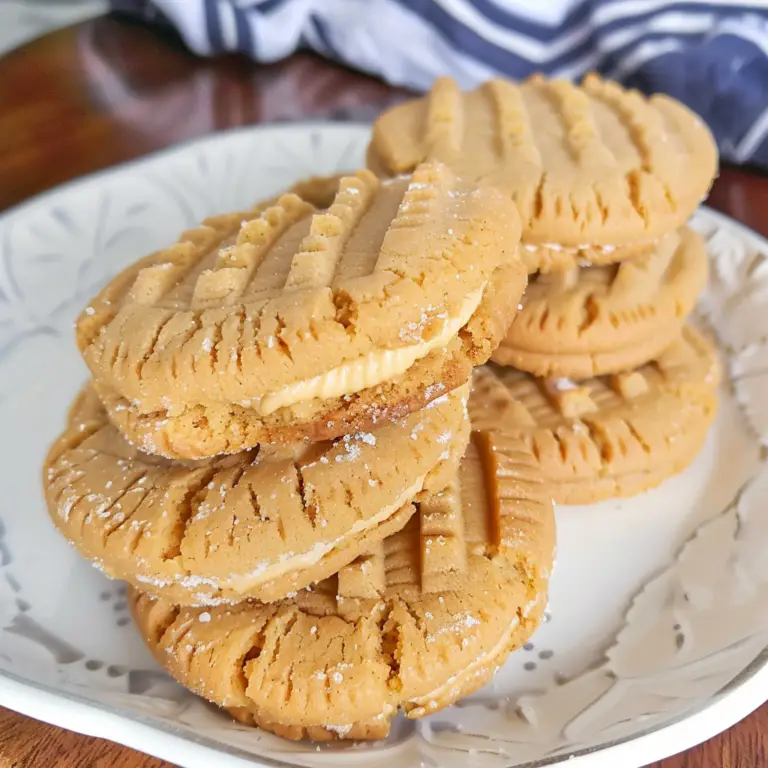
423	618
260	523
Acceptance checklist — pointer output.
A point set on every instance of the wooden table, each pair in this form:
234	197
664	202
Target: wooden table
110	90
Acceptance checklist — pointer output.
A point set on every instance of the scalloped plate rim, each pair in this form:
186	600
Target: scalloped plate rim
169	743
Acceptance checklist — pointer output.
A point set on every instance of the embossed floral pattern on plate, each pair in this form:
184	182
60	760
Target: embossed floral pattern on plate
659	604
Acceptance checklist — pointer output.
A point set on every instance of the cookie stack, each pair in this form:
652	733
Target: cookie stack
599	373
274	451
328	508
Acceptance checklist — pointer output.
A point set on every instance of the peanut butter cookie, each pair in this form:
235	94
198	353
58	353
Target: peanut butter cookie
424	618
294	323
592	321
611	435
261	523
595	170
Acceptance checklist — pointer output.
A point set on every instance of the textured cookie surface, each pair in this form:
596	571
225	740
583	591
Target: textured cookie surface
421	620
319	191
261	523
292	307
588	165
208	430
607	436
591	321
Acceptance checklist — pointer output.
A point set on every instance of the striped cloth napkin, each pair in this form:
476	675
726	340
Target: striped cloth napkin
713	56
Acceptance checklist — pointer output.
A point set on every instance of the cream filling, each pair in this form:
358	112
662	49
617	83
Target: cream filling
291	561
367	371
533	247
430	700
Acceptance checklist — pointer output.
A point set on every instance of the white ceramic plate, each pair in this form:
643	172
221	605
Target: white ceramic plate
657	631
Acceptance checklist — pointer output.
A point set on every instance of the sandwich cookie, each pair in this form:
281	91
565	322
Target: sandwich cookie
612	435
305	325
592	321
597	171
421	620
259	524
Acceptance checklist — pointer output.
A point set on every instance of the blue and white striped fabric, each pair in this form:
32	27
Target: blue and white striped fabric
712	56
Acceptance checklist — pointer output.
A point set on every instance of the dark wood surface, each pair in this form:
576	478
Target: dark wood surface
109	90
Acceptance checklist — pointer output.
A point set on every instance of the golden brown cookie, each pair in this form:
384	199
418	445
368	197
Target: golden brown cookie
261	523
298	323
423	619
592	321
201	431
612	435
590	166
